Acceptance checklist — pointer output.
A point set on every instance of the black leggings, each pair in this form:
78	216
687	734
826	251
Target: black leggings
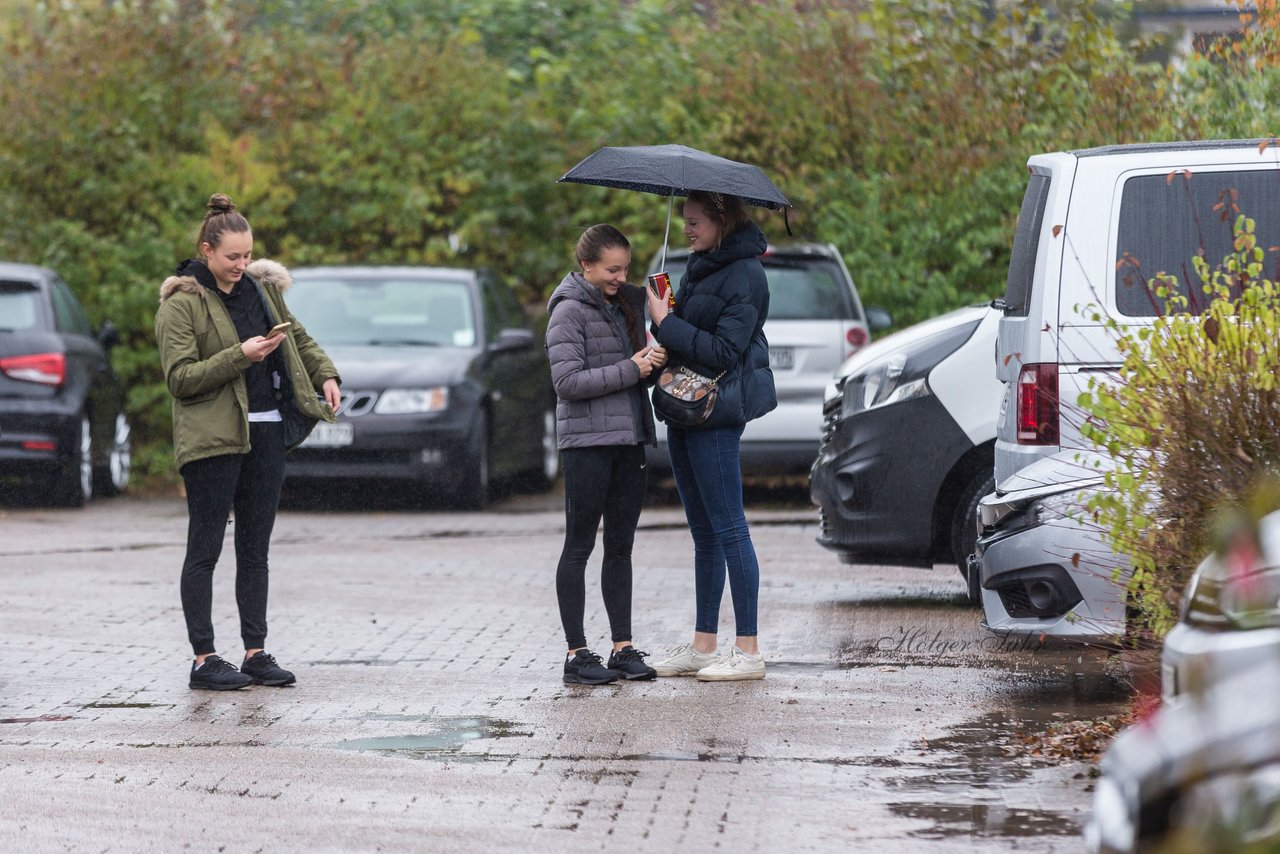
606	481
251	483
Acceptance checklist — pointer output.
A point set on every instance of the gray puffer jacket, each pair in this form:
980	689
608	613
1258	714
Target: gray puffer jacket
599	389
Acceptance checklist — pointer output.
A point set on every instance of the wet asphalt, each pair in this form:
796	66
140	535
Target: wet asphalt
430	714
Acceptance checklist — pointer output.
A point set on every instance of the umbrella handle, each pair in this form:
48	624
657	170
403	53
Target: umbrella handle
671	200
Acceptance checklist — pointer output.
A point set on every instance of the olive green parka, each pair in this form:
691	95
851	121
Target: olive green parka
204	365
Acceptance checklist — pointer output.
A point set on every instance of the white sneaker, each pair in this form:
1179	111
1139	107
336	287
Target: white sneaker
685	661
734	667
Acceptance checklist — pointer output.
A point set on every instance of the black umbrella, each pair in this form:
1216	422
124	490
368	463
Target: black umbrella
674	170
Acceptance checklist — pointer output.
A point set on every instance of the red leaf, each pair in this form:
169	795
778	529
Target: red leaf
1057	229
1075	560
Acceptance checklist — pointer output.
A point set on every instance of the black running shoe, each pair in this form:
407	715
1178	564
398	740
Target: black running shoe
585	668
628	663
263	670
218	675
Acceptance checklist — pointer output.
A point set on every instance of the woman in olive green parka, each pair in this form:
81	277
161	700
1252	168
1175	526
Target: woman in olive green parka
243	395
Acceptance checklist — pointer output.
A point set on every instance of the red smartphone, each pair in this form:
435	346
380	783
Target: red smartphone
660	283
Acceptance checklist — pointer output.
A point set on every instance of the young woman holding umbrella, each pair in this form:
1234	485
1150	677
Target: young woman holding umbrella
716	328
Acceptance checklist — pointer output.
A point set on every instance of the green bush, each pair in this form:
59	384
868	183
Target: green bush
389	131
1193	421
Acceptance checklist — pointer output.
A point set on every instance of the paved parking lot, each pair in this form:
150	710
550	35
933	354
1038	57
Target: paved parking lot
429	712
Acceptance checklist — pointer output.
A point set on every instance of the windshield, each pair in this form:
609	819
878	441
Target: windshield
372	310
799	288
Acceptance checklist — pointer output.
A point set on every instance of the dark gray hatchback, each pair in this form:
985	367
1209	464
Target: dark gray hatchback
63	430
445	383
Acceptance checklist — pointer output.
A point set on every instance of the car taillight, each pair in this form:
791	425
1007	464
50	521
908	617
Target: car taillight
855	337
44	368
1038	405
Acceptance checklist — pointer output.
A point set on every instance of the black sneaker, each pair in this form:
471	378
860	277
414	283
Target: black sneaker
263	670
218	675
628	663
585	668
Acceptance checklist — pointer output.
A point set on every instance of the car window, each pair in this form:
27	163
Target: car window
1164	222
799	288
502	309
68	314
1026	241
19	306
359	310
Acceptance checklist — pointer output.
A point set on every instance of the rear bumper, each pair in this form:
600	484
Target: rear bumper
1052	579
27	430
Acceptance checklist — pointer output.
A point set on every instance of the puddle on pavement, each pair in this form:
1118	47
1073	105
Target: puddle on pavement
37	719
980	759
445	741
985	820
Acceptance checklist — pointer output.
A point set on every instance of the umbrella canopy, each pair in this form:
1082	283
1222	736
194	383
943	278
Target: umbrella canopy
674	170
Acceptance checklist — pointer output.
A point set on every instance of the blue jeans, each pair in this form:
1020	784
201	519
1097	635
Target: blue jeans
709	478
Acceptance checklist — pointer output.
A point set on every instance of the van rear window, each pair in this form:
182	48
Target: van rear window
1022	262
1164	223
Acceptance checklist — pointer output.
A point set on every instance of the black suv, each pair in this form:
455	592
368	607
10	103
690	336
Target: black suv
63	428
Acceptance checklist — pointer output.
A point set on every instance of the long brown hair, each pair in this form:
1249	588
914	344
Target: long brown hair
588	249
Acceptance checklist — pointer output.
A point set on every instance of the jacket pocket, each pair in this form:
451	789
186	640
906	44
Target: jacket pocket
199	398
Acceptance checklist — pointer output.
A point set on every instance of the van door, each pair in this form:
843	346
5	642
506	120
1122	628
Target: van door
1026	337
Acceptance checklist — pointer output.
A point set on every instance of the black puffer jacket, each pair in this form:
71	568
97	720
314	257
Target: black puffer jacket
718	325
597	385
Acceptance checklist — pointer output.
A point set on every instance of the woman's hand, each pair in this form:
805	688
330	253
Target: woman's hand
258	348
332	395
643	362
657	355
658	307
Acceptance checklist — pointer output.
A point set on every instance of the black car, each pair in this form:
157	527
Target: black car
63	428
445	383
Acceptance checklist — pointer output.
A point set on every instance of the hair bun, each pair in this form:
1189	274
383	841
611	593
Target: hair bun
220	203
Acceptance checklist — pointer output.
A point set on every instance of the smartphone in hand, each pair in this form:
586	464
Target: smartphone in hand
278	329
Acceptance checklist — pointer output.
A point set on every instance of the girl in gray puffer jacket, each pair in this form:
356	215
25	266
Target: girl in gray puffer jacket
600	366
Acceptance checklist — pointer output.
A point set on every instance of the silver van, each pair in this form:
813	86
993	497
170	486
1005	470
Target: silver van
1095	227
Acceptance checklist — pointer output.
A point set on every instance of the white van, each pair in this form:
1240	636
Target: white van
1096	226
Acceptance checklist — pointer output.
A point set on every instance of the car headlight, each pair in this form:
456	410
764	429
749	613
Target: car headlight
1252	601
1062	505
405	401
1247	600
886	382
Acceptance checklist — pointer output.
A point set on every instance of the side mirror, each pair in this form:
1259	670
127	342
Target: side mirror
108	335
879	319
513	339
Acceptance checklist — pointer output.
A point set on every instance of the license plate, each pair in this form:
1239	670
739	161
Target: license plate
782	358
327	435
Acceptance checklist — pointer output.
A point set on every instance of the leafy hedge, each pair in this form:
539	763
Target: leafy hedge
391	131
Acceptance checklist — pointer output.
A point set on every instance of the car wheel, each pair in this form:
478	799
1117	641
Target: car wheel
112	478
74	484
964	532
474	489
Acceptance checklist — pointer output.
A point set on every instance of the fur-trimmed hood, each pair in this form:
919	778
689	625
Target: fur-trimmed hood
263	270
